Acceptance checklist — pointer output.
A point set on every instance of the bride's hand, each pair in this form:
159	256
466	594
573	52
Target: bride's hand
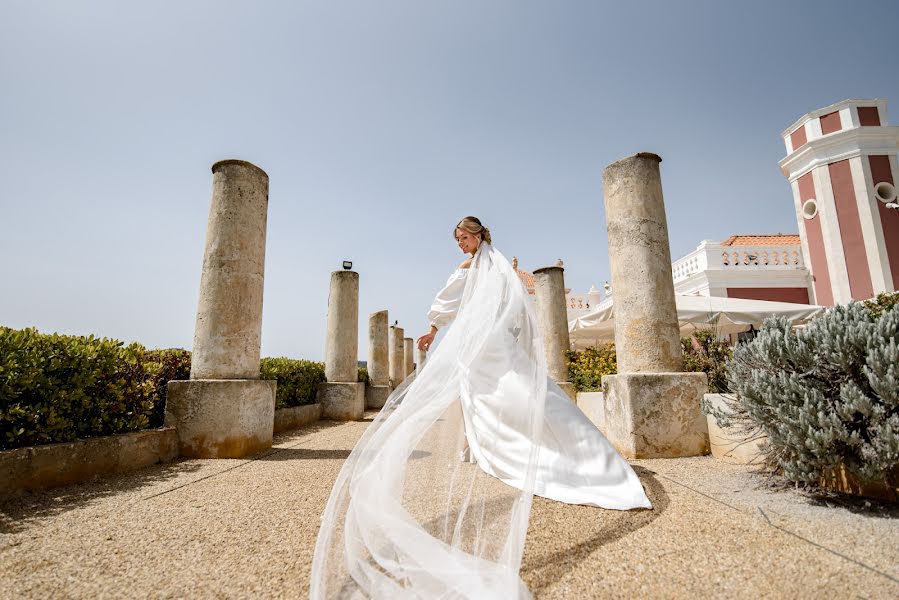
425	341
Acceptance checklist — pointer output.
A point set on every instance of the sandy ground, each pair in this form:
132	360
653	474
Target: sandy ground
246	528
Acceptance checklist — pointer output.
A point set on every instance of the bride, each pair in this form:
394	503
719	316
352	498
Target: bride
433	502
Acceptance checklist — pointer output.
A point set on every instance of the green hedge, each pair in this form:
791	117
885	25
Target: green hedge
163	366
60	388
297	380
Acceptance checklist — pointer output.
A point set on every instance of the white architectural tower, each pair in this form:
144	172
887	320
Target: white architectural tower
841	163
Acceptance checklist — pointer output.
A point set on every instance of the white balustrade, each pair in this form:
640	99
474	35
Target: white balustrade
714	256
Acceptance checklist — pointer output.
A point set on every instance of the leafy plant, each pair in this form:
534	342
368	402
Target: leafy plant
882	303
58	388
704	352
298	380
586	368
162	366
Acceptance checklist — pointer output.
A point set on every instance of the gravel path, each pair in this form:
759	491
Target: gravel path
246	528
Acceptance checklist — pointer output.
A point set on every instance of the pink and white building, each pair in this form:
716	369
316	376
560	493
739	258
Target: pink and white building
755	267
841	164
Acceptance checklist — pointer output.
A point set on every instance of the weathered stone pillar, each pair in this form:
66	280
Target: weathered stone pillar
378	361
549	286
343	396
225	410
422	357
397	357
408	356
651	408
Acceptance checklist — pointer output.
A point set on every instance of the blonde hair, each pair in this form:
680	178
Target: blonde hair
473	226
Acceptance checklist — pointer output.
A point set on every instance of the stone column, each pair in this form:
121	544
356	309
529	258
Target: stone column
343	396
651	408
549	286
378	361
397	356
422	357
408	356
225	410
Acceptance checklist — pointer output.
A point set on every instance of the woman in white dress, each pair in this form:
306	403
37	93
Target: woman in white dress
435	497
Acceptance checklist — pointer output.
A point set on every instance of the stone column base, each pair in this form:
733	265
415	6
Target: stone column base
376	395
342	401
655	415
228	418
568	388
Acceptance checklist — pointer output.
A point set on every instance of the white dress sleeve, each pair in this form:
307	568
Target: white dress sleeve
446	304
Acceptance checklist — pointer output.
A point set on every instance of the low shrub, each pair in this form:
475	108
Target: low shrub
586	367
363	375
826	395
704	352
298	380
59	388
171	364
882	303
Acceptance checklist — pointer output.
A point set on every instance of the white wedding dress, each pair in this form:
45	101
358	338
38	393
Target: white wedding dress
434	500
576	464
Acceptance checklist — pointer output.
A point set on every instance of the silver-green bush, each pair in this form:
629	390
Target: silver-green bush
826	395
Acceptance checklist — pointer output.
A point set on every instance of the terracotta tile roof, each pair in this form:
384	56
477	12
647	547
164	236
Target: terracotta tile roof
527	279
776	239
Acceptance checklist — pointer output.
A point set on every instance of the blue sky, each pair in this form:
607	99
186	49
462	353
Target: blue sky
380	124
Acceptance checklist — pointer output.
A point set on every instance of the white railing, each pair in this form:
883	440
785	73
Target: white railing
713	256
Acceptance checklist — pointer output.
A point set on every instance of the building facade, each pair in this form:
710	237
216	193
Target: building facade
756	267
841	164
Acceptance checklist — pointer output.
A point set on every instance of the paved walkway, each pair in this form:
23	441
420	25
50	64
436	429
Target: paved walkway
246	528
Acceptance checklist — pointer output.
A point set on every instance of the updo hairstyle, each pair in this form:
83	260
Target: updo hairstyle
473	226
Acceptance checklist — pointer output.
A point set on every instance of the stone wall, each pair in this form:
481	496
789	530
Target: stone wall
37	468
295	417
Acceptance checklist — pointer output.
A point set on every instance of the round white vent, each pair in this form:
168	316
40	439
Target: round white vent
885	192
810	209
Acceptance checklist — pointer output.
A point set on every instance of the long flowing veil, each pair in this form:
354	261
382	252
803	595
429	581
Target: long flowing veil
410	516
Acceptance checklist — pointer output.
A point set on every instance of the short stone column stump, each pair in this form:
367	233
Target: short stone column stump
378	361
655	415
221	418
342	401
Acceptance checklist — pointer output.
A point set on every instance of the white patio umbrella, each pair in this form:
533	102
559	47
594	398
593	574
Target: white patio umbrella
723	315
